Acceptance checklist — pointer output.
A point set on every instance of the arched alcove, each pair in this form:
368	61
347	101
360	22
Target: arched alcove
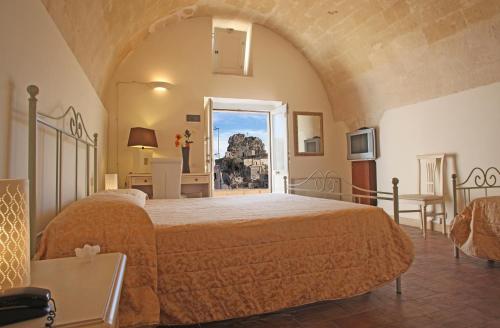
181	54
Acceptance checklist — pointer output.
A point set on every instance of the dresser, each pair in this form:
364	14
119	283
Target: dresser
364	175
192	184
86	293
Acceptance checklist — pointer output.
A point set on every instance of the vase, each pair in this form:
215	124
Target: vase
185	160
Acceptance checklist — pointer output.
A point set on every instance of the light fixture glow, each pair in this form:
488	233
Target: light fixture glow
14	234
111	181
160	86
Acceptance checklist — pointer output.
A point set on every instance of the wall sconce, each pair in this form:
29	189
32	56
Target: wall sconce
155	85
111	181
14	234
160	86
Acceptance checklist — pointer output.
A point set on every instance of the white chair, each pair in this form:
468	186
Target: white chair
430	190
167	174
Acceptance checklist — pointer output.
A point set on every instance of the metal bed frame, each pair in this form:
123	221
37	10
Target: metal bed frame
330	183
78	133
324	182
478	180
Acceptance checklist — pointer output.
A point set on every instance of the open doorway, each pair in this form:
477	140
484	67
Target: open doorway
247	145
240	151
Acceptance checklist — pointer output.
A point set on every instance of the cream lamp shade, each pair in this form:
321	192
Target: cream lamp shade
14	234
111	181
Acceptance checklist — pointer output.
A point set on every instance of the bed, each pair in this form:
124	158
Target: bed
201	260
475	230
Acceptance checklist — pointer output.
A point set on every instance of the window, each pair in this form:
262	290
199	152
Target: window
241	150
231	47
253	119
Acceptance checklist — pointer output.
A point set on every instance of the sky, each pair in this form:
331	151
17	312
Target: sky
229	123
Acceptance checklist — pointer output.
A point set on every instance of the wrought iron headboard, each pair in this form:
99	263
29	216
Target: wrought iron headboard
78	132
317	183
478	179
329	182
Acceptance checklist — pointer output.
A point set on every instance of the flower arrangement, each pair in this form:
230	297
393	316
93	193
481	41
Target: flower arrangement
187	139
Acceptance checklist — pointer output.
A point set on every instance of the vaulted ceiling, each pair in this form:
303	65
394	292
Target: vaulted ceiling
372	55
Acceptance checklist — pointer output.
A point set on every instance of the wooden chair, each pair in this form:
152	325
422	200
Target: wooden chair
430	190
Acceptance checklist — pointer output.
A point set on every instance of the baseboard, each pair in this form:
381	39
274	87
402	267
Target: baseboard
431	225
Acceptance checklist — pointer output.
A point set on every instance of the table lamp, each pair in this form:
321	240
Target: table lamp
14	234
144	139
111	181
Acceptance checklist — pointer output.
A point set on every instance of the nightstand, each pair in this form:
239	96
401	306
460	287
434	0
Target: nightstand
196	185
141	181
86	293
192	184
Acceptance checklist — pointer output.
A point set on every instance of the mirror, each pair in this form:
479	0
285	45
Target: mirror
308	133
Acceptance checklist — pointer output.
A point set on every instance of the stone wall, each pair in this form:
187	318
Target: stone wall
372	55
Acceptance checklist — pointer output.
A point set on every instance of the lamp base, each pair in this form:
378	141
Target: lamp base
142	160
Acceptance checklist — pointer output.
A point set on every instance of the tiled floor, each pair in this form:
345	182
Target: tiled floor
438	291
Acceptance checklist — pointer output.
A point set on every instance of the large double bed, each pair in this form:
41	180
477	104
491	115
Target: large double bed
201	260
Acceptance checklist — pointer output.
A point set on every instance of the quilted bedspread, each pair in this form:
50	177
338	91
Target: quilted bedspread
476	231
221	258
118	223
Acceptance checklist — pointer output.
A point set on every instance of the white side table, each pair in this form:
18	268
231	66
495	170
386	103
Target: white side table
86	293
140	181
196	184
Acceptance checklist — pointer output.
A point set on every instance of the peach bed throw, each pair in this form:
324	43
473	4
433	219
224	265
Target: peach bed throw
476	231
200	260
118	223
221	258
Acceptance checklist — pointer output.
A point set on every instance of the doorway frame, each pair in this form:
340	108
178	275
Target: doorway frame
246	105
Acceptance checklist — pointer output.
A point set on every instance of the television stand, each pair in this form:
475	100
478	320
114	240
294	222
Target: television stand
364	175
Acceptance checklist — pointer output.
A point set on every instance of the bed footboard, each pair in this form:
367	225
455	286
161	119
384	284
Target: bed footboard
328	183
478	180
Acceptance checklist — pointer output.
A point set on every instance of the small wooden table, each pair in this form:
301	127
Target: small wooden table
86	293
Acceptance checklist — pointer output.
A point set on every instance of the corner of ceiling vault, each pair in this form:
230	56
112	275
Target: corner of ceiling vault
370	55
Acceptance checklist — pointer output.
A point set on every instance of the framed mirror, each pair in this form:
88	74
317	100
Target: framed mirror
308	133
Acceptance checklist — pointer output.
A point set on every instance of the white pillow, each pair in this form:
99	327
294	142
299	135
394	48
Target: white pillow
141	196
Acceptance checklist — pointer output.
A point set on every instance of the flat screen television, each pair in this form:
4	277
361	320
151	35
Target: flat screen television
361	145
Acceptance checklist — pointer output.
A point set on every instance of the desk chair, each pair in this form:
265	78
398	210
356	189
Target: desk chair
166	177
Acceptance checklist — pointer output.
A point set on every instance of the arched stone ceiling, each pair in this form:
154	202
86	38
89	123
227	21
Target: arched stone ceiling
372	55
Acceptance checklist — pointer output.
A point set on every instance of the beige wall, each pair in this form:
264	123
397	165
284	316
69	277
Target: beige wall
181	54
34	52
464	125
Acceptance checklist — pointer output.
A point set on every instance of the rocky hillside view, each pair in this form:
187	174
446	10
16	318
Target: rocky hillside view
245	164
240	146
